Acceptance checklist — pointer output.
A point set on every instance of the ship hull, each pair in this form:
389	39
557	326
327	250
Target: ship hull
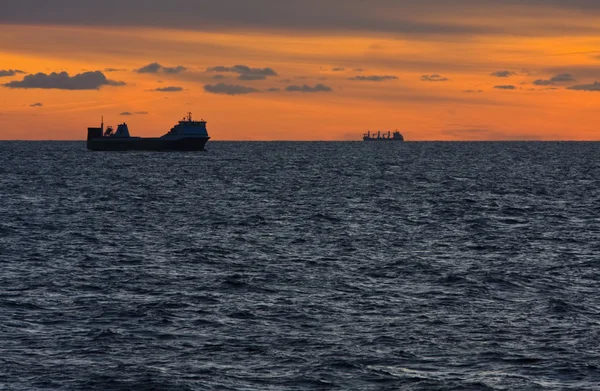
147	144
383	139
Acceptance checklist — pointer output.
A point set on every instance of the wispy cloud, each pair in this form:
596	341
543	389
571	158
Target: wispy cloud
374	78
168	89
306	88
563	77
505	87
38	104
503	73
434	77
229	89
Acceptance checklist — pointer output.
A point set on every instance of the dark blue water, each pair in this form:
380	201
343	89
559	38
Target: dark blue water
301	266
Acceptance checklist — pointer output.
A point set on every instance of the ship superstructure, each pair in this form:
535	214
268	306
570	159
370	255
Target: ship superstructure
186	135
187	128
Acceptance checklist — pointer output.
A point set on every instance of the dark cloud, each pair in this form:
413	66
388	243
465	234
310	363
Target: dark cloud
338	69
174	70
38	104
150	68
9	72
245	72
586	87
273	89
218	77
434	77
374	78
307	88
503	73
114	70
127	113
229	89
62	81
399	17
298	15
561	78
168	89
506	87
472	91
157	68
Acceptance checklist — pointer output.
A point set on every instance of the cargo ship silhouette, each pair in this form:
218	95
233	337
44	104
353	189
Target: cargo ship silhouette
396	136
186	135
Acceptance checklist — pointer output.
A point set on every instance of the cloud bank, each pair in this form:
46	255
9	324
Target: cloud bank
62	81
405	17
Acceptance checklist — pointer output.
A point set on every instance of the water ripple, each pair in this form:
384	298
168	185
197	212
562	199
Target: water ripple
300	266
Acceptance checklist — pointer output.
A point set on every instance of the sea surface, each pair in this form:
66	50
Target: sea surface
301	266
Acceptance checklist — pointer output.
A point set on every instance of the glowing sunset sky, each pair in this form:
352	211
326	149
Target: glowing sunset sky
303	70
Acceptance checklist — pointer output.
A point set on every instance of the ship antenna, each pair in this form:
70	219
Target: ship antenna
102	124
190	116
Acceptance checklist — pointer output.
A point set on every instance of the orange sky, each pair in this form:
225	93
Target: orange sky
457	100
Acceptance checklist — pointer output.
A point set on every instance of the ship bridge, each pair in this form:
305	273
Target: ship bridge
122	131
189	128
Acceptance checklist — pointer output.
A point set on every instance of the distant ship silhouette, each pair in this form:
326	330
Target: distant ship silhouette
396	136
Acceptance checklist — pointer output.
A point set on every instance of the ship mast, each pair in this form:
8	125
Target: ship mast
190	116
